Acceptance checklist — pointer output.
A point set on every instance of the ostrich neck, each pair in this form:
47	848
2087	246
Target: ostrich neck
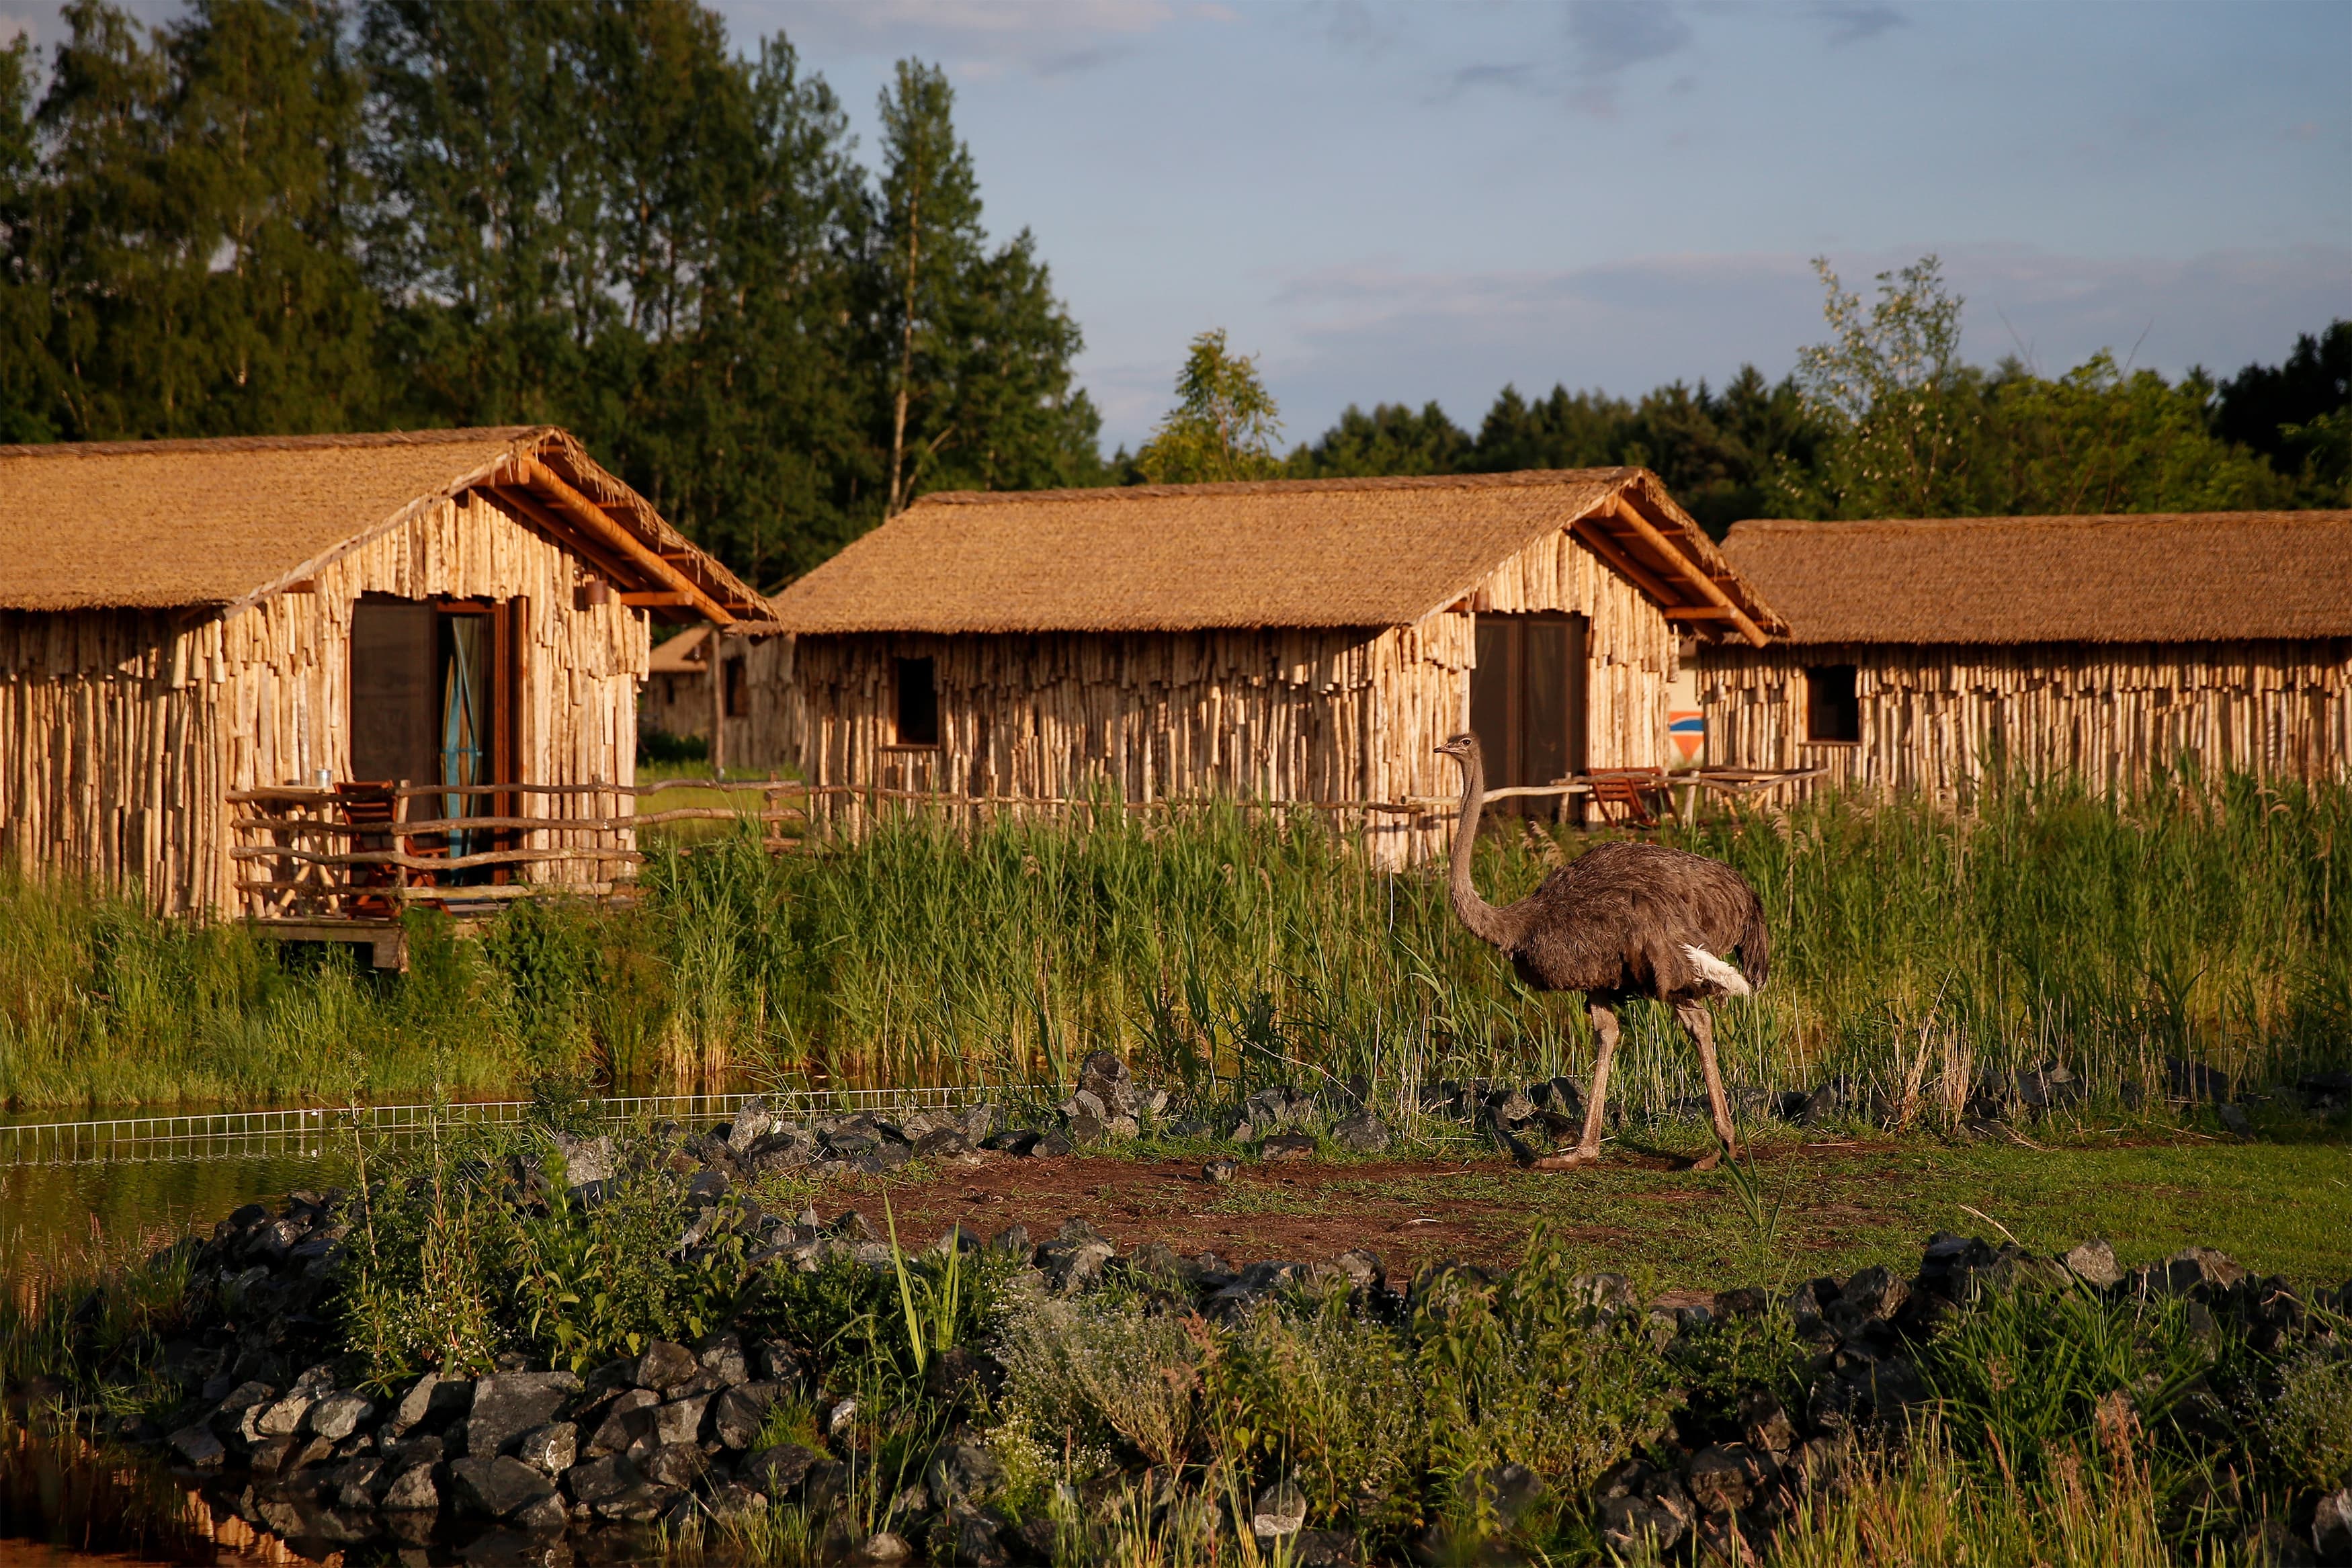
1486	922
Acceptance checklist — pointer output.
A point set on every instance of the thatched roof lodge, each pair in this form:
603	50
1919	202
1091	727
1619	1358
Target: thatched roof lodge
185	620
1920	654
1300	641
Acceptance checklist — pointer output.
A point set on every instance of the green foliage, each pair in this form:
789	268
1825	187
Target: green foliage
276	216
2298	414
2308	1423
1528	1370
1891	388
1225	424
1331	1399
1105	1369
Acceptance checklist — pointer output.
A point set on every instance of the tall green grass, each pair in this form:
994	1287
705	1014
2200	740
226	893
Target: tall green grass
1918	958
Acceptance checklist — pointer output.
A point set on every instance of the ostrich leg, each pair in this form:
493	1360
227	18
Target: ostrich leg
1701	1025
1604	1033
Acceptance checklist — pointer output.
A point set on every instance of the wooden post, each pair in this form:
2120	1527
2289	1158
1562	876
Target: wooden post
717	705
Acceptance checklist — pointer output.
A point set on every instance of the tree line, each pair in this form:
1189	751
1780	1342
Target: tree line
1884	419
286	216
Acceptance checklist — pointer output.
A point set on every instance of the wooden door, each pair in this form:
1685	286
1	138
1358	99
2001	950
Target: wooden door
395	691
1527	699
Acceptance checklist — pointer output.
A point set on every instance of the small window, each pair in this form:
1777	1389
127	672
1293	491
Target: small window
738	691
1832	712
919	703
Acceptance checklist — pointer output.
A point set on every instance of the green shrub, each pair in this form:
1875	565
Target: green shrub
2309	1424
1102	1369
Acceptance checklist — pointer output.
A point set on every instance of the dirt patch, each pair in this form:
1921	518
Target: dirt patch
1303	1211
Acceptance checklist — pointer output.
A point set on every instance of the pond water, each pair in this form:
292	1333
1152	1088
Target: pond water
59	1218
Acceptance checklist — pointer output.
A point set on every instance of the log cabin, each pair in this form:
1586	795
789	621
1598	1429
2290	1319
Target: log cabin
750	720
1307	642
185	624
1923	656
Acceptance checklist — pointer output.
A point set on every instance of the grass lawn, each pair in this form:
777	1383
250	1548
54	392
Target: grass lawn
2277	1207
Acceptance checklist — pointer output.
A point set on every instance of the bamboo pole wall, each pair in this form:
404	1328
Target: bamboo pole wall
1933	718
1279	714
766	738
125	731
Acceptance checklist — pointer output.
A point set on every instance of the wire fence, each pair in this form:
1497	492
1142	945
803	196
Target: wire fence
312	1131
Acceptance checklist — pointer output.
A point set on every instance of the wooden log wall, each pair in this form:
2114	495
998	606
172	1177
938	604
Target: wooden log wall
125	731
1282	715
766	738
1933	718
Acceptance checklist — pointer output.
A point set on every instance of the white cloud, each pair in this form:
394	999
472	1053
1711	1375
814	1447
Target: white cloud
974	37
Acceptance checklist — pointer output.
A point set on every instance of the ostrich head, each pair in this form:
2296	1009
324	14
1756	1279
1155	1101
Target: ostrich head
1464	746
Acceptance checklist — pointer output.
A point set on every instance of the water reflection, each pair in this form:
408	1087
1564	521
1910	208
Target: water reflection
56	1220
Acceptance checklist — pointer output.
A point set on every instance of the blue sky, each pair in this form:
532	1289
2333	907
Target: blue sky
1408	201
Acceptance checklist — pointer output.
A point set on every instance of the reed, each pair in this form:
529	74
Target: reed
1921	959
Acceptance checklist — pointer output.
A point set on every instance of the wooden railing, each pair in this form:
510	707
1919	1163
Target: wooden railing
361	851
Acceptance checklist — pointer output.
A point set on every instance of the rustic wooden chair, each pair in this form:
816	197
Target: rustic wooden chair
374	805
1628	797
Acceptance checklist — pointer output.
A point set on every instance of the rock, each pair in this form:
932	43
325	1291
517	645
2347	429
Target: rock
882	1546
674	1463
979	1540
625	1420
963	1472
639	1503
1324	1548
1362	1134
1220	1171
1069	1264
354	1485
753	1121
340	1414
1012	1241
1286	1146
196	1446
1280	1511
678	1420
1766	1423
2331	1527
545	1516
665	1365
2195	1080
497	1488
2234	1120
596	1480
1509	1491
1872	1295
737	1414
283	1416
2094	1263
940	1141
1104	1077
722	1355
1052	1147
1018	1142
508	1403
1363	1268
779	1469
584	1160
552	1448
1724	1477
2217	1268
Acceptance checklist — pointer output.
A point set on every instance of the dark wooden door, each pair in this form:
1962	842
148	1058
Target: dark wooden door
1527	702
395	707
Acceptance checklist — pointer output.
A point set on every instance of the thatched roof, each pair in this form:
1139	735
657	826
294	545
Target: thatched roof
2191	577
1282	553
165	524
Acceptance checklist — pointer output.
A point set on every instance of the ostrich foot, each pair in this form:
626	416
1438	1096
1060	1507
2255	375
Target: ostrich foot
1569	1160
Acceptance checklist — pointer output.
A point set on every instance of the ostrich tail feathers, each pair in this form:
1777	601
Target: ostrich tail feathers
1716	972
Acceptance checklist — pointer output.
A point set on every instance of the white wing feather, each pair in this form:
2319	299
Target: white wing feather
1715	971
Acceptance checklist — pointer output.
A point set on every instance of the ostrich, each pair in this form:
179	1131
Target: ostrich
1622	920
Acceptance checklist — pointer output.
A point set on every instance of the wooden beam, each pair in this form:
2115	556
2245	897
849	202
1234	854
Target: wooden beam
1690	570
664	600
1589	529
527	507
599	525
1698	612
